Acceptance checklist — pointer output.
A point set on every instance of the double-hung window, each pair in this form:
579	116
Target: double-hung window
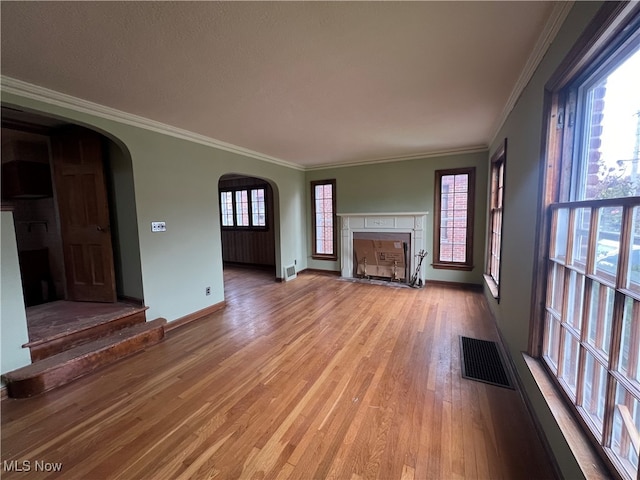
590	323
496	206
243	208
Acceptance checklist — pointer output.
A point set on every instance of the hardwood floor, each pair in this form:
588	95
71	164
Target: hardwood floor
313	378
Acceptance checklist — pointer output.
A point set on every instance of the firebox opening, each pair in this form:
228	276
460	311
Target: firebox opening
383	256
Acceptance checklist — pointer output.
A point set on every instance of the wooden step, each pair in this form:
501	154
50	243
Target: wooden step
64	367
84	326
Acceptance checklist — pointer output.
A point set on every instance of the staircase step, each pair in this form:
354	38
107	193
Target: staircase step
64	367
100	326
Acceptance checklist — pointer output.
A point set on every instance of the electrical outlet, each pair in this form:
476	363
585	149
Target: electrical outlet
158	226
207	291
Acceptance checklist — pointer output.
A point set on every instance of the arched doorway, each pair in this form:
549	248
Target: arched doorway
248	222
56	267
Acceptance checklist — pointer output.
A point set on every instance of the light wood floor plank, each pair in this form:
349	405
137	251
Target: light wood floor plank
313	378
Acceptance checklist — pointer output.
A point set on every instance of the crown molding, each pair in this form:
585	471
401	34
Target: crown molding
556	18
51	97
414	156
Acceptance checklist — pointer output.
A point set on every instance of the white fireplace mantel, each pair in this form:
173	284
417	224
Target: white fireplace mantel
411	223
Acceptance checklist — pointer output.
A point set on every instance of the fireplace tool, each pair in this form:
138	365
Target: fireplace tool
416	281
364	270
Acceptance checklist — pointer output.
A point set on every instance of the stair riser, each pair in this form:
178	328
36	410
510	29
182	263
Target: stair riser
53	347
78	367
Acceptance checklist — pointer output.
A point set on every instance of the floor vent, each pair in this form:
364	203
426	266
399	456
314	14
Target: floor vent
290	273
482	361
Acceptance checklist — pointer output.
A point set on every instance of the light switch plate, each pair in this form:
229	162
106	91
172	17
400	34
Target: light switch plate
158	226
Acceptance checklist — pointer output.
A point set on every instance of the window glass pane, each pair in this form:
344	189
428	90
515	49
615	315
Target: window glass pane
626	426
610	168
559	247
242	209
552	341
258	209
630	347
600	319
226	208
570	351
594	391
609	224
555	289
581	220
575	296
633	266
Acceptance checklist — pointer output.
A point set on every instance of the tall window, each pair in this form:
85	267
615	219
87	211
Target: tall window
453	232
243	208
496	203
591	317
323	205
226	208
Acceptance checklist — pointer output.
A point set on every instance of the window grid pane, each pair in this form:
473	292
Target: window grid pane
575	296
632	281
258	208
242	209
600	318
608	233
226	208
594	391
626	425
552	341
570	352
580	230
630	348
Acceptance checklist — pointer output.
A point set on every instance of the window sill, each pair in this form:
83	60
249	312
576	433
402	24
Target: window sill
493	287
586	457
325	257
452	266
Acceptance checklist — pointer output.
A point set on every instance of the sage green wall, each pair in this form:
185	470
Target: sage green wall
176	181
403	187
524	131
13	322
124	223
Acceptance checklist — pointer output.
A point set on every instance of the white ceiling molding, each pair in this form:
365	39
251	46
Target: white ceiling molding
551	28
416	156
45	95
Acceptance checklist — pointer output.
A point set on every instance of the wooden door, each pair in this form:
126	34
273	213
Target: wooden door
84	215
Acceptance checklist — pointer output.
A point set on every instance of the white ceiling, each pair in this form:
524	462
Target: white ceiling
308	83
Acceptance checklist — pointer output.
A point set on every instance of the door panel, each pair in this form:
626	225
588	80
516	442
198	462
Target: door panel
84	215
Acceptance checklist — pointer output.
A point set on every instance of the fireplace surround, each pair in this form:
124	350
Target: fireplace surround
385	223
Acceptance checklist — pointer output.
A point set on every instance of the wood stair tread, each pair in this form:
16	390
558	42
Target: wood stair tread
66	366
